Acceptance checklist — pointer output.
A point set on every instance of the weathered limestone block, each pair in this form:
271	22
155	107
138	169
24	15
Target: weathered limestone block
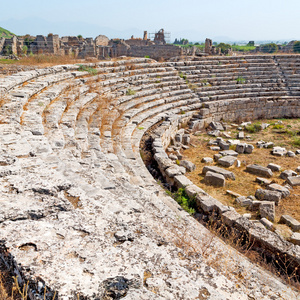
290	154
223	145
267	210
293	180
290	221
229	152
274	167
174	171
240	148
287	173
188	165
207	160
279	151
186	139
243	201
214	179
269	225
279	188
227	161
268	195
227	174
216	126
295	238
193	190
263	181
181	181
259	170
249	149
230	217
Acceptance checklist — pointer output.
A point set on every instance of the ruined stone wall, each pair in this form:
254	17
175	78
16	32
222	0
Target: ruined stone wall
155	51
249	109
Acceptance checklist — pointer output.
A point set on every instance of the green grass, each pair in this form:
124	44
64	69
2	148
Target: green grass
240	80
130	92
185	202
296	141
252	128
7	61
90	70
242	48
6	33
278	126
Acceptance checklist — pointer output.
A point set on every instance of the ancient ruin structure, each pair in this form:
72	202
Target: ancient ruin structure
100	47
82	217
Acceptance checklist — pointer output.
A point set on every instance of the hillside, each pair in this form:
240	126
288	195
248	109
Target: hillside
5	33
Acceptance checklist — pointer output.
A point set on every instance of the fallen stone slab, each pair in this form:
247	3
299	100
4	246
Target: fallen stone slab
234	194
230	217
290	221
227	174
268	195
174	171
229	152
207	160
243	201
268	224
215	148
249	149
240	148
274	167
188	165
290	154
279	151
217	156
293	180
259	170
223	145
287	173
227	161
216	126
267	210
241	135
295	238
263	181
214	179
279	188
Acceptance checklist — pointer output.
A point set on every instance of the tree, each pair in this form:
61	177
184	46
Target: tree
224	47
269	48
296	47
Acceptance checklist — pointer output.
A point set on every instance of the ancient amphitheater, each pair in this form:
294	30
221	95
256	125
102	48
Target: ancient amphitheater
81	216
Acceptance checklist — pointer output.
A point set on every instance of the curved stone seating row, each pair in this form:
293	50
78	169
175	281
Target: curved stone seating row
236	77
78	206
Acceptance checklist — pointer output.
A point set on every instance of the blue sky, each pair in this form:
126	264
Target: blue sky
192	19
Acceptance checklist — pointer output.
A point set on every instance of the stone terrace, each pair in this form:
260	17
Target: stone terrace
79	210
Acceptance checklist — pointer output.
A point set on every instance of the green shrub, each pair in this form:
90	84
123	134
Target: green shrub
269	48
296	47
240	80
185	202
296	141
253	127
90	70
278	126
130	92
